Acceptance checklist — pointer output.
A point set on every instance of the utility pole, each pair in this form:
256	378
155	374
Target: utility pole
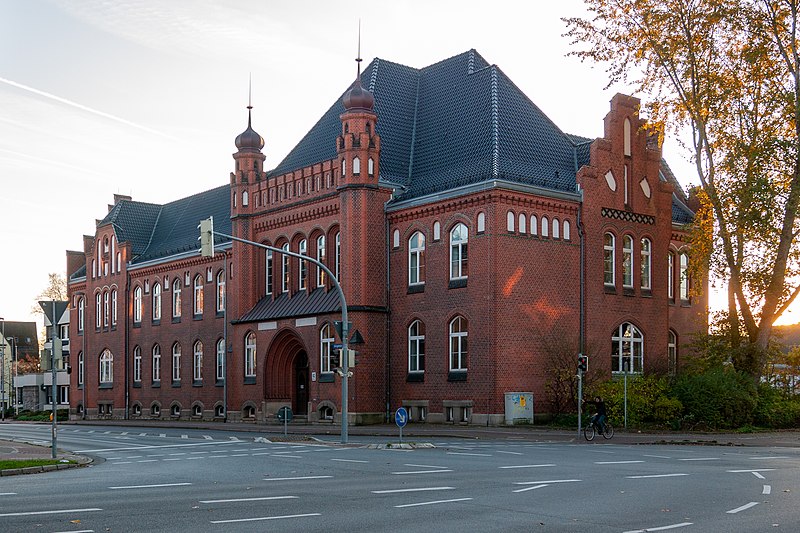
54	387
3	371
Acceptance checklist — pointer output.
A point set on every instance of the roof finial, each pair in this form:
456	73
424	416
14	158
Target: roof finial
358	59
249	98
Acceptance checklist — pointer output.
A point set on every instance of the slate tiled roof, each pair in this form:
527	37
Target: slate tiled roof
319	301
156	231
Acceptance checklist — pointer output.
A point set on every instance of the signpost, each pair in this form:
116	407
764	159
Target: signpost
285	414
401	419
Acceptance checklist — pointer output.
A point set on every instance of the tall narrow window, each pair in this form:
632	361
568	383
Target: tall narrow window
81	313
137	364
80	368
156	363
113	307
416	347
338	257
321	258
646	279
176	362
250	355
458	344
545	227
176	298
107	308
566	230
303	266
608	259
458	252
556	227
285	269
522	224
137	305
626	137
106	368
156	301
344	168
198	295
480	223
269	267
220	365
627	349
416	259
326	349
671	276
627	262
197	362
534	229
684	277
370	167
98	310
356	166
510	217
221	291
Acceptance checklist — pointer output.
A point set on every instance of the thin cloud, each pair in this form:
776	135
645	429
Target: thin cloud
85	108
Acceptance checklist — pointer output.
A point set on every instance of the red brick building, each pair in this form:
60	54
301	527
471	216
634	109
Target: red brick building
471	236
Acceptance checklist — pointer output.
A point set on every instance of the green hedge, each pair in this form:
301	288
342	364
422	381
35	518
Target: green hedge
717	399
42	416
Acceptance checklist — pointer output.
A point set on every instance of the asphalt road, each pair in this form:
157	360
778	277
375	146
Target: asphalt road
153	479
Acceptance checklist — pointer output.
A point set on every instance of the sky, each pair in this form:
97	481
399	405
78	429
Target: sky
145	97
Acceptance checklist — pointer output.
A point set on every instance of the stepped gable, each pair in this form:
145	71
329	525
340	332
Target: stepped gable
133	223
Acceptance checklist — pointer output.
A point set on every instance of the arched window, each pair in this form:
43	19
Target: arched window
627	262
338	256
137	305
458	344
566	230
556	227
81	313
545	227
94	268
176	298
416	347
510	221
221	291
176	362
326	362
344	168
627	349
250	355
534	228
156	363
98	310
269	267
370	165
356	166
671	276
198	295
106	368
416	259
106	308
522	224
156	301
396	238
458	252
220	364
285	268
645	259
437	231
684	277
137	364
245	199
672	352
480	223
626	137
80	368
303	270
197	362
321	276
609	245
113	307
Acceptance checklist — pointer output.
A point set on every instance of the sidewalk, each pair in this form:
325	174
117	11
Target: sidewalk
17	450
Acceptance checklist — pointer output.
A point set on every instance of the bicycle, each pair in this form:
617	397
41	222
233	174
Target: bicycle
592	429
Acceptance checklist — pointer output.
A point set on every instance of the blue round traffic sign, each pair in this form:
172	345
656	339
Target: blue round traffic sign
401	417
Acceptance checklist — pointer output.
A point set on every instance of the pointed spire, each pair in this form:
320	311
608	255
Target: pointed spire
249	140
358	98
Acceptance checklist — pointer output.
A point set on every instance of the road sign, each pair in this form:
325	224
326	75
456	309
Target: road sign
285	414
401	417
336	346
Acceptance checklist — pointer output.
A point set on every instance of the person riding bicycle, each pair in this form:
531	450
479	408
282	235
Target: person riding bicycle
599	418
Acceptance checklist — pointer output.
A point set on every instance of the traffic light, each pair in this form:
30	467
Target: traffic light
583	363
207	237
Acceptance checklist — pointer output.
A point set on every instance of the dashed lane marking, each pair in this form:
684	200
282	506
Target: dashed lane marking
742	508
701	459
264	518
655	476
616	462
411	472
295	478
421	489
424	466
349	461
767	489
55	511
263	498
472	454
534	487
758	475
525	466
432	503
155	486
661	528
750	470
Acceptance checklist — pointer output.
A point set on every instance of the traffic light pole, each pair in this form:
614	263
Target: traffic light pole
54	378
207	249
580	399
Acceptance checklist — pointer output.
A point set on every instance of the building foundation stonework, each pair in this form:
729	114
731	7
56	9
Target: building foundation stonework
479	248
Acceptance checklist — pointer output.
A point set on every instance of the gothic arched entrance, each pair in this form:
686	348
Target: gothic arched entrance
286	369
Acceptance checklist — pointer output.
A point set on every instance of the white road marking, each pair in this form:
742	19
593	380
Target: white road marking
546	482
525	466
422	472
423	466
150	486
767	489
192	453
759	476
655	475
498	451
701	459
657	456
162	435
152	447
616	462
57	511
207	437
179	453
210	456
152	454
422	489
140	434
262	453
182	436
120	462
662	528
251	499
130	456
750	470
742	508
432	503
143	460
123	433
341	460
264	518
79	530
194	458
770	457
232	455
11	493
474	454
295	478
287	456
530	488
171	459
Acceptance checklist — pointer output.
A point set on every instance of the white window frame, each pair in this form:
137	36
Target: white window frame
302	273
113	307
98	308
556	225
137	305
80	368
176	362
106	367
671	275
416	347
81	314
137	364
220	362
684	276
627	262
566	232
285	273
627	345
338	256
156	301
156	362
321	275
646	253
510	218
221	286
197	361
269	272
416	259
521	220
106	309
459	239
458	329
545	227
176	298
197	301
533	226
326	349
480	223
250	355
609	259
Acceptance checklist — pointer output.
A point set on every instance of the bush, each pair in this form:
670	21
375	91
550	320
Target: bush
42	416
776	409
717	399
648	402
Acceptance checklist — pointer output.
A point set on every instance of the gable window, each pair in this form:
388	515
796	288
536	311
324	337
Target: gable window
458	252
250	355
510	221
458	344
321	275
684	277
416	259
106	306
137	364
437	230
285	268
137	305
326	362
646	279
344	168
627	349
220	291
176	298
671	276
396	238
416	347
269	267
627	262
156	301
176	362
197	362
156	363
198	295
245	199
609	245
113	307
106	368
303	271
220	364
